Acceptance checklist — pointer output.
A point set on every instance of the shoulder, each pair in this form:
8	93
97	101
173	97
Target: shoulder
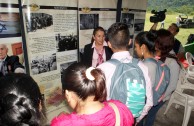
142	66
177	41
63	119
88	45
106	66
150	64
125	113
171	63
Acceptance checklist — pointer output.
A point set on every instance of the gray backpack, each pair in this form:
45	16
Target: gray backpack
128	85
162	79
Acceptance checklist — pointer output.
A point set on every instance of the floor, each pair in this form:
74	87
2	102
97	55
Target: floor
174	117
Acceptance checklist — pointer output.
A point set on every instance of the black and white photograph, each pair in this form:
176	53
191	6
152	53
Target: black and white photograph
64	66
9	25
139	25
89	21
38	22
128	18
65	43
44	63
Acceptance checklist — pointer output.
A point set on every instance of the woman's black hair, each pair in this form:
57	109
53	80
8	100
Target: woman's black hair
165	43
95	31
148	39
20	100
75	79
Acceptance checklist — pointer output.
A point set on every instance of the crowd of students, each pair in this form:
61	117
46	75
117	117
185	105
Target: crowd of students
86	87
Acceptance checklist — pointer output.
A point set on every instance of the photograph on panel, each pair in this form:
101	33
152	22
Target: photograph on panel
64	66
65	43
38	22
9	25
139	25
128	18
43	63
89	21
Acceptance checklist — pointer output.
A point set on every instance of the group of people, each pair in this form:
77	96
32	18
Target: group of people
86	85
156	44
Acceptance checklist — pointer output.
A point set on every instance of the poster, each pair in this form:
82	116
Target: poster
93	14
52	42
10	28
133	14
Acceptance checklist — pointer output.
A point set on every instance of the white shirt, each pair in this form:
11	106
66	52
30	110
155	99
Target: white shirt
109	70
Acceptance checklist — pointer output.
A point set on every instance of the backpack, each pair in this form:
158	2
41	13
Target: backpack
128	85
162	79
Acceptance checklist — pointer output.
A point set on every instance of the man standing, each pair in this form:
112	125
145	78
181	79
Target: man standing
9	64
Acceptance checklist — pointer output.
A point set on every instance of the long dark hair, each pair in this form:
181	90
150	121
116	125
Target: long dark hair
148	39
74	79
20	99
165	42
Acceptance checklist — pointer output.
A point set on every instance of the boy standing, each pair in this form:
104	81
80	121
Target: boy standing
119	38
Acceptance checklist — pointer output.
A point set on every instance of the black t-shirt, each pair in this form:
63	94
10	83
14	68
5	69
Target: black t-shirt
176	46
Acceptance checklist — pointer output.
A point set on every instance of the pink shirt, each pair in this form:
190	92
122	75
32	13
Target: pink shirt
104	117
95	54
109	69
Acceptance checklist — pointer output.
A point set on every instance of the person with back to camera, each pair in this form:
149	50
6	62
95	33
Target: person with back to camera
21	103
145	49
9	64
164	47
97	51
119	38
85	92
178	48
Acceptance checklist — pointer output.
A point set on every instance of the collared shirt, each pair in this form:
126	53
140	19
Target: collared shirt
17	70
95	54
109	70
1	63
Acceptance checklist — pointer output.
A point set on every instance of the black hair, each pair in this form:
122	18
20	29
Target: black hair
118	35
176	26
165	43
20	98
148	39
99	28
75	79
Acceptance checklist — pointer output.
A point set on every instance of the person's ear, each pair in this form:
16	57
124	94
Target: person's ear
6	50
40	106
143	47
93	37
130	41
109	45
67	95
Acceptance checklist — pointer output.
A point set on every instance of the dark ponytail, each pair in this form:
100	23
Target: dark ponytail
148	39
20	98
17	111
76	80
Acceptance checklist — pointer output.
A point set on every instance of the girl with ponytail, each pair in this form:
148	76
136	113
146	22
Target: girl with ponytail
85	92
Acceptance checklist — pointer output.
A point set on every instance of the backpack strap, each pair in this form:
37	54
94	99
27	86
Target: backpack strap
151	60
135	60
114	61
115	108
